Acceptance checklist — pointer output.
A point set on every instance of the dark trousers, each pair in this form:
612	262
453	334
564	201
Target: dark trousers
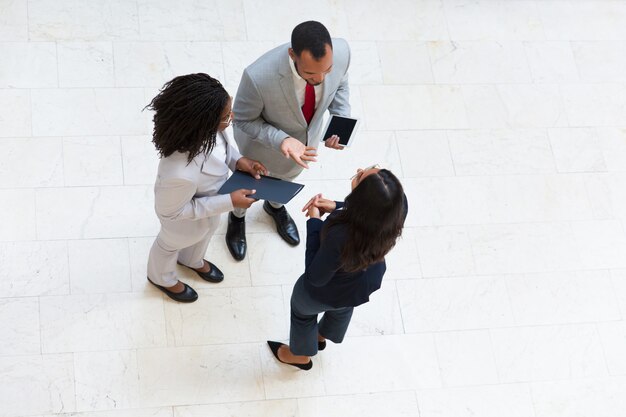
304	325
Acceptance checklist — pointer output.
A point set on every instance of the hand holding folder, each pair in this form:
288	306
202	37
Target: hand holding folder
267	188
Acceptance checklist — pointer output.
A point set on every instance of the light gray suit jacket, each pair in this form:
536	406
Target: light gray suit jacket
186	193
266	107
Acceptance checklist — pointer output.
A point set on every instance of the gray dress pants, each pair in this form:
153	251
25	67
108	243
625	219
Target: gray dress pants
304	325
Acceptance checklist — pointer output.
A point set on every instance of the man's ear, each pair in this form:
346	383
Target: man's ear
292	54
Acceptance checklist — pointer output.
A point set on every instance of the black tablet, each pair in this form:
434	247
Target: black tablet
344	127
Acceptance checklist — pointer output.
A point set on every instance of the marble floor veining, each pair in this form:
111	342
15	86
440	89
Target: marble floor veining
506	296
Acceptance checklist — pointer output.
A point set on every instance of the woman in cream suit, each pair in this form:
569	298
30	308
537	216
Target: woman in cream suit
191	113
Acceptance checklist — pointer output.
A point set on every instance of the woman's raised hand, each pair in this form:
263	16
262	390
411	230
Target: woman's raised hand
321	204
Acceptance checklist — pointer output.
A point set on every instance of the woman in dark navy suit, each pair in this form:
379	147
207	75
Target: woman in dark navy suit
344	261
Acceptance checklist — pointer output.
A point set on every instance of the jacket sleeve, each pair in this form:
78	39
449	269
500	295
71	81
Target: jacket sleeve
232	156
341	102
174	200
248	108
322	260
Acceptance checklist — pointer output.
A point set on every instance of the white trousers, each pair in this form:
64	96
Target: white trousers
164	254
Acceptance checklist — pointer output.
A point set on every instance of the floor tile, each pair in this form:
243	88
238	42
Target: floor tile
19	224
401	404
36	384
545	353
228	315
19	326
562	297
86	64
199	375
158	20
579	398
139	64
268	408
16	119
99	266
513	400
424	153
82	323
92	161
466	358
454	303
92	111
52	20
106	380
32	162
34	268
465	62
28	65
576	150
14	21
399	362
493	20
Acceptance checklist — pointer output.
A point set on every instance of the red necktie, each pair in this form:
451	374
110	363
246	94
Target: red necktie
308	108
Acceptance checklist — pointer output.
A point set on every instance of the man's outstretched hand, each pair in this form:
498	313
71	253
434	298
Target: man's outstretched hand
300	153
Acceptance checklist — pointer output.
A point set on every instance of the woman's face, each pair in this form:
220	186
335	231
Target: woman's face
361	174
227	115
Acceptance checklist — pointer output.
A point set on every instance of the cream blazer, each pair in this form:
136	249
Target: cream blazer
186	193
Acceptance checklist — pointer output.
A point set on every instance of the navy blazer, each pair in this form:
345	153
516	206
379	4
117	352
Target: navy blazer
324	279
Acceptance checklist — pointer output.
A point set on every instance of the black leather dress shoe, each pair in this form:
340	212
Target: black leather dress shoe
214	275
285	226
274	346
188	295
236	236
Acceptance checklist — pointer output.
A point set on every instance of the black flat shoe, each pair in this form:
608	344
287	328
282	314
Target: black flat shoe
214	275
321	345
285	226
188	295
236	237
274	346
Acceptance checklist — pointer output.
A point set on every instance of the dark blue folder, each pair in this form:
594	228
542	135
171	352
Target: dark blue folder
267	188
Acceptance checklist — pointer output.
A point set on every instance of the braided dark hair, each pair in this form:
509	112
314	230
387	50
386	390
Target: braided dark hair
187	115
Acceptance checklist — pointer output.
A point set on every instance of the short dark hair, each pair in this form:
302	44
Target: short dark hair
187	115
312	36
374	215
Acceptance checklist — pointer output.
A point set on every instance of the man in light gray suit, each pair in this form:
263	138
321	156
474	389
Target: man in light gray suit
279	110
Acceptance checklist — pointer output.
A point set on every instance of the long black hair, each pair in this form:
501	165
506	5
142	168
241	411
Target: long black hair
187	115
374	213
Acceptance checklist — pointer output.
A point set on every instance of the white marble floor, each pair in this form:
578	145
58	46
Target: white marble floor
506	296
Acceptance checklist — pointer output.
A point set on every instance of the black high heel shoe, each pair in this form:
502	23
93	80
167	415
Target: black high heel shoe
274	346
321	345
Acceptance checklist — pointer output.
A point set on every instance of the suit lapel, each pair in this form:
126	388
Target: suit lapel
286	83
330	87
324	102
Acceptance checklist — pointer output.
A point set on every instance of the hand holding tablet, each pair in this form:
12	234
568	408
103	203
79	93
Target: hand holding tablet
340	131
